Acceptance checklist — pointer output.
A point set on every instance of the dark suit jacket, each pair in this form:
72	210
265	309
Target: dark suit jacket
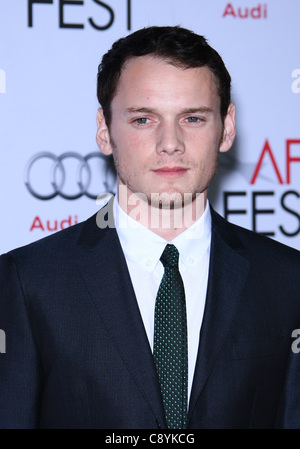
77	355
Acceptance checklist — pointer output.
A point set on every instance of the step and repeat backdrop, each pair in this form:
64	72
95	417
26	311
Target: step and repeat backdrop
51	170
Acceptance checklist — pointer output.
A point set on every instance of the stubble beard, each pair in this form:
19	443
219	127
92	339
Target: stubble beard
162	200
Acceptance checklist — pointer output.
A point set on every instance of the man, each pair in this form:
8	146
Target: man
103	328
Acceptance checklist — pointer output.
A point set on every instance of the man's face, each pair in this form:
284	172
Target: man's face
166	129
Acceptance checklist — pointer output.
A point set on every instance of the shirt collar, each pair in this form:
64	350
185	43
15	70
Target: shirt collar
144	247
195	240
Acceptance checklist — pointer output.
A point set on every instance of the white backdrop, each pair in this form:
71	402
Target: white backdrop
50	167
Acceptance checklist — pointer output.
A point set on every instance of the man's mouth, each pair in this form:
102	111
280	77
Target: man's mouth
171	172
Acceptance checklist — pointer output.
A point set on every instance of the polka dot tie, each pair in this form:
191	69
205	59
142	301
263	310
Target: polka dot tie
170	341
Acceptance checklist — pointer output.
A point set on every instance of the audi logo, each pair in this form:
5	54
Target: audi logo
82	174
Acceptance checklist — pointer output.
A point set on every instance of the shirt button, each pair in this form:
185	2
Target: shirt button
148	262
192	261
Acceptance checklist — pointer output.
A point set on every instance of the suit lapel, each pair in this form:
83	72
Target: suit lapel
104	270
227	276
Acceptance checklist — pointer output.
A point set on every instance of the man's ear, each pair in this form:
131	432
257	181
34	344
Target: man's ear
102	136
229	130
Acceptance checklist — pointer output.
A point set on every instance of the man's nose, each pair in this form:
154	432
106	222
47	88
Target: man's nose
170	139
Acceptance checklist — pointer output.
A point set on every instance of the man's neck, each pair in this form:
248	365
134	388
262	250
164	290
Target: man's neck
165	222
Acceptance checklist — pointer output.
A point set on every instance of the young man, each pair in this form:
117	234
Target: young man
156	313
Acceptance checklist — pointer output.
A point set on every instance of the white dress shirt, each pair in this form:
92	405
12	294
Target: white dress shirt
143	248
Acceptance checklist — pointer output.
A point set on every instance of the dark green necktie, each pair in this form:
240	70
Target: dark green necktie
170	341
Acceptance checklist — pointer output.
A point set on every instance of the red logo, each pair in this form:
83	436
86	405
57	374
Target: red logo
54	225
267	151
258	12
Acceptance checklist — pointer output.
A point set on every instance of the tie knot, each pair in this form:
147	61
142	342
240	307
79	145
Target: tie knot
170	256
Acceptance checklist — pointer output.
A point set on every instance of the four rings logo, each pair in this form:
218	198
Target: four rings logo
58	182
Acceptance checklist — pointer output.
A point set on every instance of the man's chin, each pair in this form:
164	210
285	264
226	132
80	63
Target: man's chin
169	200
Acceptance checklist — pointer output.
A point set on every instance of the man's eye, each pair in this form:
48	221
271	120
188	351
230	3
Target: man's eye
193	119
141	121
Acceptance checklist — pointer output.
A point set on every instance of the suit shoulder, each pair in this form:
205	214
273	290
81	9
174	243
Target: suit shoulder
56	244
256	244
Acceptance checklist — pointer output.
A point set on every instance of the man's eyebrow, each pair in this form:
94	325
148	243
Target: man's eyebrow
200	109
133	110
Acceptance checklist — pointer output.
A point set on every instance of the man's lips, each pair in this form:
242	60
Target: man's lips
171	172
